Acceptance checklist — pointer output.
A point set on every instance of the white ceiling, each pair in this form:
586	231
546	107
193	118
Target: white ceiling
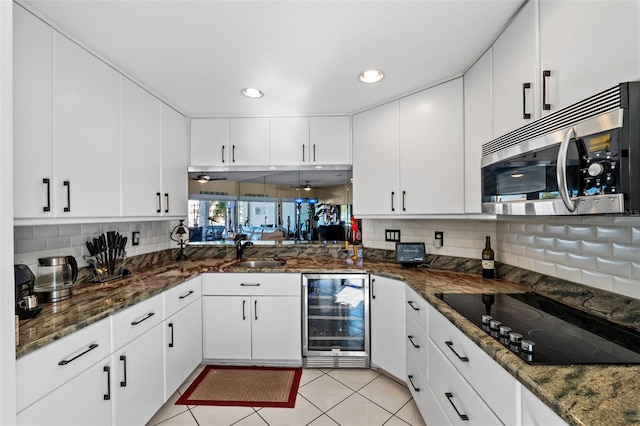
304	55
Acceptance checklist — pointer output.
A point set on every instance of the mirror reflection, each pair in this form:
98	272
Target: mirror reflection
312	205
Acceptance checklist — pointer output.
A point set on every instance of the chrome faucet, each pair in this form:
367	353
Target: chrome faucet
240	247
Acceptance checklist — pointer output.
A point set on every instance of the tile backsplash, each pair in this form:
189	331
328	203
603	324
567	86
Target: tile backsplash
598	251
32	242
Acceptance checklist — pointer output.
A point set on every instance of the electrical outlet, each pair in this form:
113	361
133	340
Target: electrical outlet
135	238
392	235
438	239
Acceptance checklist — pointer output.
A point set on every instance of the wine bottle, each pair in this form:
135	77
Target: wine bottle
488	263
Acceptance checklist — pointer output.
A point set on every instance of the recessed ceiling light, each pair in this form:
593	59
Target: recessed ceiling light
252	92
371	76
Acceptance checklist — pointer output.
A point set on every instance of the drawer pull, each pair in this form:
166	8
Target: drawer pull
107	396
187	294
244	317
89	349
68	185
449	396
171	327
255	309
412	342
461	358
149	315
413	305
47	182
249	285
410	377
123	384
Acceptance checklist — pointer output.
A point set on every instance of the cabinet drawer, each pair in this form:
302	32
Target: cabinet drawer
498	388
459	401
45	369
416	343
416	307
417	383
133	321
182	295
248	284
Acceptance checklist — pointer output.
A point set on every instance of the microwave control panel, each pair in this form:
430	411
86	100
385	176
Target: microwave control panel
599	163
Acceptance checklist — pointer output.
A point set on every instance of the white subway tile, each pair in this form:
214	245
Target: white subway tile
535	253
596	248
68	230
568	273
46	231
635	235
626	287
617	234
516	227
24	258
534	228
507	258
555	230
526	263
566	245
547	268
558	257
597	220
526	240
620	268
626	220
581	232
581	261
90	228
29	246
23	233
544	242
635	270
597	279
626	251
517	249
58	243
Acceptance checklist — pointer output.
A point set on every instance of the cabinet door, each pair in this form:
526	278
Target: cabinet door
210	142
174	163
183	345
276	328
226	329
515	63
138	379
431	150
583	54
84	400
85	133
139	151
289	141
477	127
388	325
376	161
249	138
32	71
330	140
536	413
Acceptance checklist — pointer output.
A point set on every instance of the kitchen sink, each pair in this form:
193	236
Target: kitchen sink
259	264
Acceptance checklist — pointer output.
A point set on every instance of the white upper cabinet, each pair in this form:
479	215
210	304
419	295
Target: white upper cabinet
431	150
587	47
556	53
249	139
175	161
85	134
289	141
210	142
32	148
330	140
139	151
478	129
376	162
516	76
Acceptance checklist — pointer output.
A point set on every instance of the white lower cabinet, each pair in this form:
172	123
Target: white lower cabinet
388	325
183	333
536	413
84	400
252	317
138	379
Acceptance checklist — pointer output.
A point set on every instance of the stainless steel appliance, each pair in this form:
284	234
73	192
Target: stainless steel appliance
543	331
55	277
583	159
335	320
26	300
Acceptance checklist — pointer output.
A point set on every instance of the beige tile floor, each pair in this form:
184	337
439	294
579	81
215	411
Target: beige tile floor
346	397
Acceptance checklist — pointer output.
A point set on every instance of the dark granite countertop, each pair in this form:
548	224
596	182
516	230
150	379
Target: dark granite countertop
581	394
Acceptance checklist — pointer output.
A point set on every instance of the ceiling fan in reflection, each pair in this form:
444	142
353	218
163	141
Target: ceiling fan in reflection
205	178
305	187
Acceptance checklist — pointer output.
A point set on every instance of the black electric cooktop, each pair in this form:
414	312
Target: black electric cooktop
543	331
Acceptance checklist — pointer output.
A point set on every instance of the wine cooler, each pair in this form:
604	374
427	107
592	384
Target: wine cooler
336	320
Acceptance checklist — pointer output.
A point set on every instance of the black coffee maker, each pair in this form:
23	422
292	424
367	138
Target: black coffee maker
24	281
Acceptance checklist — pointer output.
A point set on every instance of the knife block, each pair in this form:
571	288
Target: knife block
106	270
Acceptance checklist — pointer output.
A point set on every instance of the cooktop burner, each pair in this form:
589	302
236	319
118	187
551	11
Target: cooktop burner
543	331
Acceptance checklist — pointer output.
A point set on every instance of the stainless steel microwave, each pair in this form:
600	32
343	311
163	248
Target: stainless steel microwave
583	159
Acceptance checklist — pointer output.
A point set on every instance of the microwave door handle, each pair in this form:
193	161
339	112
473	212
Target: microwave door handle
561	170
